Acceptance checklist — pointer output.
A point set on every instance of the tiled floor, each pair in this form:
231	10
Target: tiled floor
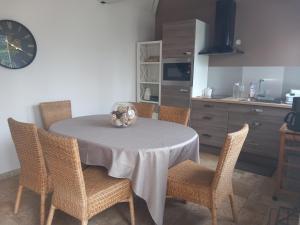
253	200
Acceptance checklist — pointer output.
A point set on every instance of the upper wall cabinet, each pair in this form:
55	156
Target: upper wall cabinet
179	39
184	38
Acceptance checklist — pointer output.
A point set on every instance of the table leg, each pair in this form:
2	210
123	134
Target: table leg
280	165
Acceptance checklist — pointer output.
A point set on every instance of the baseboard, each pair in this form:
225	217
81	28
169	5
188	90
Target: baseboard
9	174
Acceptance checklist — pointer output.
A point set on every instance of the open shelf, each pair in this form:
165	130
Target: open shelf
149	68
145	82
146	101
150	63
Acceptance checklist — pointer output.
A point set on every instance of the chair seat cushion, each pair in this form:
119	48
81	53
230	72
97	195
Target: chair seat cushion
190	181
104	191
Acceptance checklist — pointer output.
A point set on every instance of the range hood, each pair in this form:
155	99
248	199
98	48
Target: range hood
224	29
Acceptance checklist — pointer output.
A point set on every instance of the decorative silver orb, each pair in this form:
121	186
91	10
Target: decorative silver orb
123	114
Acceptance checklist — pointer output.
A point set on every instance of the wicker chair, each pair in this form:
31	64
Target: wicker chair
52	112
175	114
33	173
192	182
144	109
80	194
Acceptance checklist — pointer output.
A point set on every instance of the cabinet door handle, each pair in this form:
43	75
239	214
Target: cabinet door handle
207	117
206	135
258	110
208	106
184	90
187	53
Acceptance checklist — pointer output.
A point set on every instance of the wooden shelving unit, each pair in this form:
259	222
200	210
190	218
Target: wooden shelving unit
288	179
149	70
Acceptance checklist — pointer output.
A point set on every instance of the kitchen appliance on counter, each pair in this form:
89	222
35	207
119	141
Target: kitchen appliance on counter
291	95
293	118
207	92
238	91
147	94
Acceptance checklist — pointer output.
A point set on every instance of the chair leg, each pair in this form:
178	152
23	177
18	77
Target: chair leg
233	209
84	222
131	206
214	220
19	195
51	214
42	208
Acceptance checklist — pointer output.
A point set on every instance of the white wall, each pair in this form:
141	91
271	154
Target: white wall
86	53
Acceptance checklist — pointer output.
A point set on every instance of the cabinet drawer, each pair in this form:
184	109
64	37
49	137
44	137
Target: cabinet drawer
257	113
235	108
209	119
265	129
257	128
262	146
176	96
264	120
269	111
211	136
198	105
271	116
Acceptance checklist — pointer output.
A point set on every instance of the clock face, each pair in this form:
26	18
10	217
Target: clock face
17	45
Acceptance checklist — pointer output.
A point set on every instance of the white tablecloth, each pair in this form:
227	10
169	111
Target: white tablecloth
142	152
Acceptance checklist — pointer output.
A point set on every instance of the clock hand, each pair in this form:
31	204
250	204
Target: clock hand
15	47
9	56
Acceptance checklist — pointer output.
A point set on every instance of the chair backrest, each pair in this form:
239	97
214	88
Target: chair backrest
29	151
232	147
63	161
175	114
144	109
52	112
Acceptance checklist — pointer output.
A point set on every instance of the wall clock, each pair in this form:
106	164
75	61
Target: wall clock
17	45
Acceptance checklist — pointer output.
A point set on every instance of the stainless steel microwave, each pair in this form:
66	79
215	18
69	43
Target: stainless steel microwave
177	71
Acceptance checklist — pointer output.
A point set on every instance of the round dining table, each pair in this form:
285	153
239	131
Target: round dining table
142	152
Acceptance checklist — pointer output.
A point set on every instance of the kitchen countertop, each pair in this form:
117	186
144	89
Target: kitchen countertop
230	100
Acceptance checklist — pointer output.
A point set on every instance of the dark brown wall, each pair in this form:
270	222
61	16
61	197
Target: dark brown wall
269	29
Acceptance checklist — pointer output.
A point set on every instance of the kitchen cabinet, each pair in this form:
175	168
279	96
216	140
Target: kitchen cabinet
213	120
182	41
210	121
179	96
179	39
264	122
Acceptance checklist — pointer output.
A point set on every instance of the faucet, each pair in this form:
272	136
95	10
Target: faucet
261	91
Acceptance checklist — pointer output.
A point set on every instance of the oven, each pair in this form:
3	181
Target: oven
178	71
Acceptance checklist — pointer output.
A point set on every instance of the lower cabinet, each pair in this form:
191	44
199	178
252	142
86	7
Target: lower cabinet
264	122
210	121
176	96
213	120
